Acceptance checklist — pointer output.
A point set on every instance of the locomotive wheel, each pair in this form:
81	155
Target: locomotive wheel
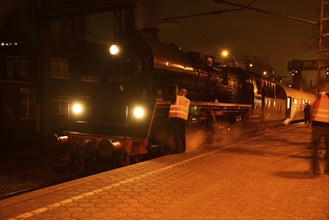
125	161
90	156
166	150
220	131
77	159
79	165
120	158
137	158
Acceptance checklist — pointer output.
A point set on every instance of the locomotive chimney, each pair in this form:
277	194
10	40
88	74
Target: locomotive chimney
152	32
147	17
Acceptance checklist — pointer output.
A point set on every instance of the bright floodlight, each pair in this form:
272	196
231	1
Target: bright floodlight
139	112
114	49
77	108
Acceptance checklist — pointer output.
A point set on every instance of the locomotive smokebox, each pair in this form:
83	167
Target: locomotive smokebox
87	58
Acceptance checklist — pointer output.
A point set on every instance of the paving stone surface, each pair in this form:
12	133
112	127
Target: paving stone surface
264	177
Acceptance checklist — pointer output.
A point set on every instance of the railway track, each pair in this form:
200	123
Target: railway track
28	174
18	180
29	169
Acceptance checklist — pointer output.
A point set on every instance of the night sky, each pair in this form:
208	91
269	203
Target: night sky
244	32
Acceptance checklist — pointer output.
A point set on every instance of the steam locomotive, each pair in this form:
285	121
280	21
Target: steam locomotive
127	116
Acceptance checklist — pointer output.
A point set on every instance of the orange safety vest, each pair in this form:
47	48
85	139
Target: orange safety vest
320	109
180	109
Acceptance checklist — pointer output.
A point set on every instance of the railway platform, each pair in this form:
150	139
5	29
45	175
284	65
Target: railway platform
261	177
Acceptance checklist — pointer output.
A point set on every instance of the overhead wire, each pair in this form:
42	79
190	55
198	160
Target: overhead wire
175	19
215	12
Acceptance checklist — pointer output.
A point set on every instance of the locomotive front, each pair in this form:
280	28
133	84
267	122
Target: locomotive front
113	124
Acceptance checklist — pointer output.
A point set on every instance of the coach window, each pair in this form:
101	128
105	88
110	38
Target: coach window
27	103
289	103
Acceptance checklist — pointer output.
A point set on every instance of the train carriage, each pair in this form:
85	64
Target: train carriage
296	101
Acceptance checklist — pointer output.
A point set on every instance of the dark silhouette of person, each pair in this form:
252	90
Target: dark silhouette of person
307	114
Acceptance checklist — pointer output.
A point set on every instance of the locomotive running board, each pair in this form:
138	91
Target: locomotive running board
214	104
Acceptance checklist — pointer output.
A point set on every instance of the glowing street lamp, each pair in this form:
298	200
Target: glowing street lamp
226	53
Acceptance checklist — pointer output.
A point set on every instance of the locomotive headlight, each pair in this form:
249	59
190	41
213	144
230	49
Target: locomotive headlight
139	112
77	108
114	49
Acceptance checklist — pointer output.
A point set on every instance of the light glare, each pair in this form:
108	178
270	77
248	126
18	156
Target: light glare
114	49
139	112
77	108
225	53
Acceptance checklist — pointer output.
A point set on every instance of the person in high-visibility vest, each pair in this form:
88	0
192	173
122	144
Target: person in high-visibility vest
320	129
178	114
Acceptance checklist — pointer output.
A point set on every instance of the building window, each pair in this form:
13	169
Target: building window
16	66
89	78
59	68
59	105
27	103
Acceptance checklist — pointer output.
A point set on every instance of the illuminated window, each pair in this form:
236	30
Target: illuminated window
27	103
289	103
59	68
17	66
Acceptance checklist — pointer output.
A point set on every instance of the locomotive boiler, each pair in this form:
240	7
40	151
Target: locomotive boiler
127	115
